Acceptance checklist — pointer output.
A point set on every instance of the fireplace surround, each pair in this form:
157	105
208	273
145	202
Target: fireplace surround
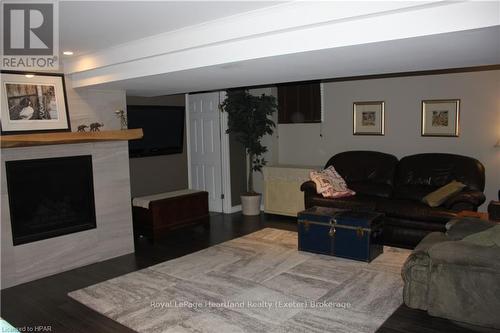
112	235
50	197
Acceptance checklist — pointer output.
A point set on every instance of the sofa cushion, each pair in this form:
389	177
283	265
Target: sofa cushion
413	226
357	202
372	188
414	210
413	192
436	170
464	226
466	254
365	166
488	237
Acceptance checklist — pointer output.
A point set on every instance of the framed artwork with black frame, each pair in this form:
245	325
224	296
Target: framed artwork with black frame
441	117
33	103
368	118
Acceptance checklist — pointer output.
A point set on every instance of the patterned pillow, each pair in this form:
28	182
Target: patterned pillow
330	184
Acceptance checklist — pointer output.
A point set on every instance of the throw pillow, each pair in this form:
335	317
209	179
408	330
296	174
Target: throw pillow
439	196
330	184
488	237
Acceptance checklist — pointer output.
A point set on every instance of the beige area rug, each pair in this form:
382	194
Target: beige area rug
256	283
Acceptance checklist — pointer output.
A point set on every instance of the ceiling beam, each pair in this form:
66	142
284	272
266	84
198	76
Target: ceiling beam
279	30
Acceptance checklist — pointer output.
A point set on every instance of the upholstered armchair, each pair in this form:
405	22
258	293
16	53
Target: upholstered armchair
455	279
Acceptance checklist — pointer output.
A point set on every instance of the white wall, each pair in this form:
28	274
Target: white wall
479	93
269	141
88	105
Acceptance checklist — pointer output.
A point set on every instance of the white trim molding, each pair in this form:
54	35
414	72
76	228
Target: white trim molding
188	140
225	158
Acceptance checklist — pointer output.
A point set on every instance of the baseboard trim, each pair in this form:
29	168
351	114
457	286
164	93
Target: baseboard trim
236	209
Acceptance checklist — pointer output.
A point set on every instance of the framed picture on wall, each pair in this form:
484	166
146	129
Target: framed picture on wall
440	117
368	118
33	102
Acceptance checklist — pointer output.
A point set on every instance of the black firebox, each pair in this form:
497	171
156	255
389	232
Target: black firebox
50	197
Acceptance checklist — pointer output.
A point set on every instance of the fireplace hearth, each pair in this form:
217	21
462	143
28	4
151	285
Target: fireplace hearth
50	197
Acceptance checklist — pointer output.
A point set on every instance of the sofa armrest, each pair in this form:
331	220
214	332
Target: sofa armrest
429	241
467	197
466	254
308	186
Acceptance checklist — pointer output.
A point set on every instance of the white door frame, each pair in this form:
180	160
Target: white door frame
225	160
188	140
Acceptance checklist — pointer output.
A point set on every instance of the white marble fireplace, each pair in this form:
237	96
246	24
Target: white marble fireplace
112	237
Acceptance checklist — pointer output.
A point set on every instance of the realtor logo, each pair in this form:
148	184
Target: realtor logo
30	36
28	29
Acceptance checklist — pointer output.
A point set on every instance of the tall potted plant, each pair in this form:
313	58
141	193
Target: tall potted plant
249	120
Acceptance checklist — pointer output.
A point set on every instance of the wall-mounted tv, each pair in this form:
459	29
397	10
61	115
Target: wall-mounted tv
163	128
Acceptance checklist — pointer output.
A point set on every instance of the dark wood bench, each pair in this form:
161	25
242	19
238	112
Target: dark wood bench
156	215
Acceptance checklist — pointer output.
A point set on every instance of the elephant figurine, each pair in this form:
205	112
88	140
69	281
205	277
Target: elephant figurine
95	127
81	128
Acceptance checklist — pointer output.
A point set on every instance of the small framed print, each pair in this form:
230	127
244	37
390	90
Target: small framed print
33	102
368	118
440	117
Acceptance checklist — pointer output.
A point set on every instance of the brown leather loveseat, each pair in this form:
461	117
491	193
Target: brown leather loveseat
396	188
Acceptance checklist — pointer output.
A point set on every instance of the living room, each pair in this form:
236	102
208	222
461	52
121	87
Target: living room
140	129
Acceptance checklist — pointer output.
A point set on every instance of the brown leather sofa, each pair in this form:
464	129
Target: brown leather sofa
396	188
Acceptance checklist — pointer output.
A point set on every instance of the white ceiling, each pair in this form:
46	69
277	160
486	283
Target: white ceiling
89	26
450	50
159	47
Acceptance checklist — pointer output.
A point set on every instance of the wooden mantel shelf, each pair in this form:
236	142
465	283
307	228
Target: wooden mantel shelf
42	139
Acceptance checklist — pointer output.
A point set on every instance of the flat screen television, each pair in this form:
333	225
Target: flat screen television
163	128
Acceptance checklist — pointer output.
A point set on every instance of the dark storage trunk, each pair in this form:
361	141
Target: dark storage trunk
342	233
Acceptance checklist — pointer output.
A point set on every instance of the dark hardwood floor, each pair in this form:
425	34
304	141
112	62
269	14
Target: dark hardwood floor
44	302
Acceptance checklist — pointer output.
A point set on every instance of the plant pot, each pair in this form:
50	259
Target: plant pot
250	203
